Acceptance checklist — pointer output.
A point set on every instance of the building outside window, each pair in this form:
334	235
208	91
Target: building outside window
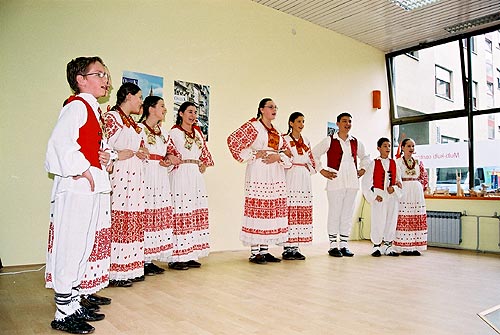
438	117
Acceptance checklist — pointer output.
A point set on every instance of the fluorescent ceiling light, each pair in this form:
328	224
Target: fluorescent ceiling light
412	4
473	23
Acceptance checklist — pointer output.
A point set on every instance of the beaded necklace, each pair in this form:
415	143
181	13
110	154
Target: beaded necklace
151	133
410	166
190	138
128	121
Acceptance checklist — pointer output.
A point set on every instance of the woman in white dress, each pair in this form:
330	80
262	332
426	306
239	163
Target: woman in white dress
189	194
411	229
262	147
127	183
299	190
158	220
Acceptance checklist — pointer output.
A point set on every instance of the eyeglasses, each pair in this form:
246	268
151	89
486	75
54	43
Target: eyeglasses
99	74
272	107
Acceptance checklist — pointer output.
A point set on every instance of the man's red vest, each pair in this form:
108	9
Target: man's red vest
379	174
90	134
334	153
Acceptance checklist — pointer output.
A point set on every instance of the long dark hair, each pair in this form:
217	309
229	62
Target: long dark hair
262	103
150	101
294	116
123	91
182	108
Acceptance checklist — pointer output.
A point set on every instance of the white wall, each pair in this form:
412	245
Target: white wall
243	50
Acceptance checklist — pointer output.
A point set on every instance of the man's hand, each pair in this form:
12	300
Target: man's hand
87	175
328	174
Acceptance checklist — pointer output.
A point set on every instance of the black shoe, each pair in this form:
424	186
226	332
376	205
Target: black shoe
98	300
407	253
298	256
178	266
193	264
334	252
156	268
393	254
376	253
138	279
72	324
288	255
258	259
120	283
416	253
270	258
85	315
148	269
89	305
346	252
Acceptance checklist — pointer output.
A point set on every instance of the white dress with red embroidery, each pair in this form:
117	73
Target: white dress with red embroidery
189	197
411	230
127	202
298	182
265	218
158	220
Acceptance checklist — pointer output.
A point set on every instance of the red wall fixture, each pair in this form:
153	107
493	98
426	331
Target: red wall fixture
376	99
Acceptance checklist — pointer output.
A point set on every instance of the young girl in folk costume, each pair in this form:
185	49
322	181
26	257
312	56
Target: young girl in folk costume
158	220
411	230
127	198
298	182
260	145
189	194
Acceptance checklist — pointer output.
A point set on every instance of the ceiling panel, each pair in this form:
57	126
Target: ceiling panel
386	26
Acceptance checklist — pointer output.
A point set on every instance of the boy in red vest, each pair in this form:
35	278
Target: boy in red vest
381	187
342	173
77	156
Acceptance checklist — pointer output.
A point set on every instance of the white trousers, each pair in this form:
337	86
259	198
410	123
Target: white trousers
340	210
384	219
74	218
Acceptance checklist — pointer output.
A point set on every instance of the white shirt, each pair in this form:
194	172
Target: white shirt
347	175
64	158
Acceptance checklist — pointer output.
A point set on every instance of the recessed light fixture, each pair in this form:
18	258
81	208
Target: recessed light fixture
413	4
473	23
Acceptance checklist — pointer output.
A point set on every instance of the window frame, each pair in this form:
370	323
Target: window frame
468	110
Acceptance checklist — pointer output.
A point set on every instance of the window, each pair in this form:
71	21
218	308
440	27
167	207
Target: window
413	54
498	78
438	124
488	45
473	44
474	94
489	94
443	82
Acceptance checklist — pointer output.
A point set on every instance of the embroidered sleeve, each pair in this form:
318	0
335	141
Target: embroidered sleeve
171	149
111	124
242	138
205	157
423	178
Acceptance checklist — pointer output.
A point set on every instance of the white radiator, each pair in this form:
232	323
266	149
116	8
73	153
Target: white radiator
444	228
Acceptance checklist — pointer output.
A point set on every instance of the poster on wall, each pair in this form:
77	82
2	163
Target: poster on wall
197	94
331	128
149	84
